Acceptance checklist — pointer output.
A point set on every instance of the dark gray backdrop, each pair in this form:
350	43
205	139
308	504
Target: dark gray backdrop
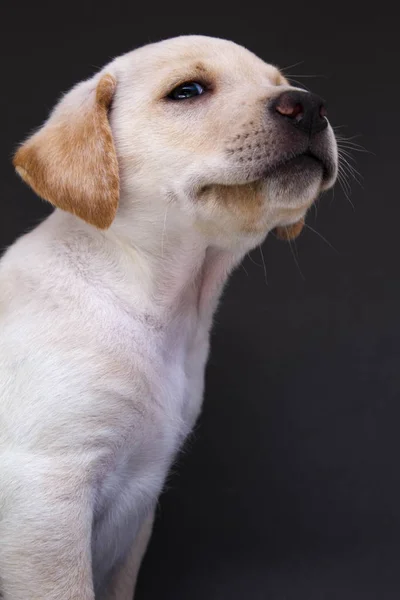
289	488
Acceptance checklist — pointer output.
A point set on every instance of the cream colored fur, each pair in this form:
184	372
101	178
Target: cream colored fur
105	313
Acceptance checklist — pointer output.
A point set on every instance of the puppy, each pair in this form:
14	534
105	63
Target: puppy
165	168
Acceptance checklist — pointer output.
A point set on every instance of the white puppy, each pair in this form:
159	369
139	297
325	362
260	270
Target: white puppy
165	168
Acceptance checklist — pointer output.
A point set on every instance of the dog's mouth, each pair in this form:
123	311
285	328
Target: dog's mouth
288	185
297	172
306	164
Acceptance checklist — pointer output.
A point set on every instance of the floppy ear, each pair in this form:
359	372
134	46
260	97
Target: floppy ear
290	232
71	161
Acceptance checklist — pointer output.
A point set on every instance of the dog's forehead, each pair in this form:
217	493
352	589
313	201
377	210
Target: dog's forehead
197	54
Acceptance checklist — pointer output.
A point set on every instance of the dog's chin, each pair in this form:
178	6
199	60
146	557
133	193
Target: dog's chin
281	195
295	184
295	180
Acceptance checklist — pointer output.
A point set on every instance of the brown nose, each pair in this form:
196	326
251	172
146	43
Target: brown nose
305	111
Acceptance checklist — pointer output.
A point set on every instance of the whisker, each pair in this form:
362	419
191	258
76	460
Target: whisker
346	153
345	141
353	147
345	188
333	196
309	76
291	79
347	137
353	174
342	174
264	265
253	261
322	237
295	259
351	169
342	167
292	66
343	179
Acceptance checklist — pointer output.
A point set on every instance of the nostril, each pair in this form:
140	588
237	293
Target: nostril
304	110
291	110
323	113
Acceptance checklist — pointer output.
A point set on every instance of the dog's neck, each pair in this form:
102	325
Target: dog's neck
177	267
152	266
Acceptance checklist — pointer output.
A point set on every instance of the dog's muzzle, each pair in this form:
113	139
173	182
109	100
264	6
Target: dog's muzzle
302	118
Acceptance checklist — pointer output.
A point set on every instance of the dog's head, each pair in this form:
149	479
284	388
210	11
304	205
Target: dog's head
198	124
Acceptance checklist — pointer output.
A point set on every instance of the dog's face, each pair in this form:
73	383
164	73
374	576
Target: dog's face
195	123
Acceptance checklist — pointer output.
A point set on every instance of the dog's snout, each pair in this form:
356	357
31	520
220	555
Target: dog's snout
304	110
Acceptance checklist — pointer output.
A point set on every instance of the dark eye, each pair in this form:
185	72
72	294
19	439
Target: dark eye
187	90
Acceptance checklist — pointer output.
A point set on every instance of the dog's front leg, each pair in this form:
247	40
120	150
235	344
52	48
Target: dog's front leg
45	540
123	582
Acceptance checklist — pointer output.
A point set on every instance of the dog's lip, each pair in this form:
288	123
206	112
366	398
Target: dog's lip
307	159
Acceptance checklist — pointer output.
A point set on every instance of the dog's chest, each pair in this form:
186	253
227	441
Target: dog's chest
185	355
130	487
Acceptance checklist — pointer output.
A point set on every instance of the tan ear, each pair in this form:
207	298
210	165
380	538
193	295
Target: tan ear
290	232
71	161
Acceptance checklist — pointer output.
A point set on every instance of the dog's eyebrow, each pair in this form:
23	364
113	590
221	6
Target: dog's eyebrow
200	67
190	72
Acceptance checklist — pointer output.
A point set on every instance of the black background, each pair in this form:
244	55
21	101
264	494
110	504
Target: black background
289	488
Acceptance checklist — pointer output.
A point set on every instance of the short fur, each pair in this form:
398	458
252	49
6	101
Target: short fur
106	307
